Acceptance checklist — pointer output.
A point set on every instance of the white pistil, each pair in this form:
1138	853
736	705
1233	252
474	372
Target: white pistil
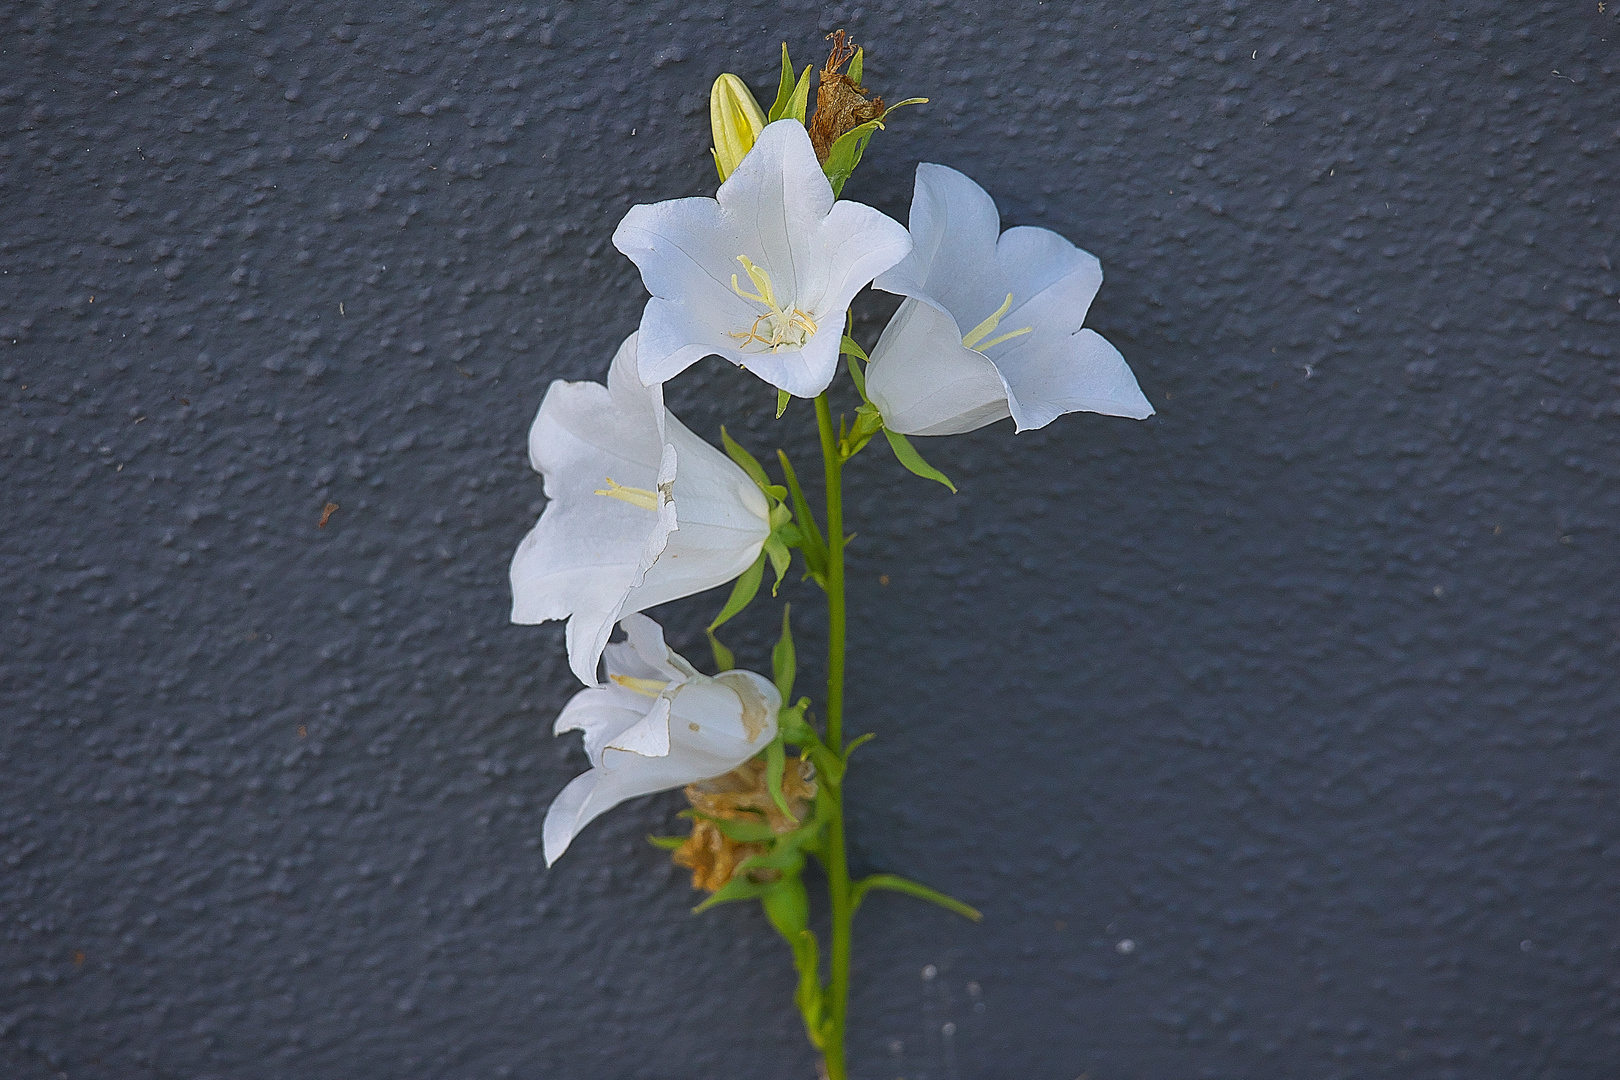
646	687
641	497
783	326
974	336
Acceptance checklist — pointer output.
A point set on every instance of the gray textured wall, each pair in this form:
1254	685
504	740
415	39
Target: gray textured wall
1304	687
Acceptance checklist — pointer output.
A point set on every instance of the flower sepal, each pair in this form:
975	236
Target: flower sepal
869	421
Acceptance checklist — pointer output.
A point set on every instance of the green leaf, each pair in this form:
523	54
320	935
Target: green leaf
776	550
723	659
743	458
896	883
845	152
784	661
850	749
810	541
741	594
801	96
784	89
851	347
913	461
738	888
775	766
668	843
782	399
855	67
791	97
794	728
868	422
741	830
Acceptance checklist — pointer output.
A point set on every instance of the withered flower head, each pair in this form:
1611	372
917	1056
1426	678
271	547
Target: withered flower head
841	102
739	795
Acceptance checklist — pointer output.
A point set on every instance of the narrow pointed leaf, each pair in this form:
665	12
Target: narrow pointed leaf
784	89
896	883
782	399
811	543
776	550
742	592
775	766
853	348
746	461
668	843
784	660
801	96
908	456
850	749
741	829
738	888
723	659
856	66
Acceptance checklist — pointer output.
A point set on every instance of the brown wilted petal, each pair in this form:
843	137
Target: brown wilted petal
841	105
739	795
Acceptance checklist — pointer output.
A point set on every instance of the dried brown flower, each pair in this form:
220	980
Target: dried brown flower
841	103
739	795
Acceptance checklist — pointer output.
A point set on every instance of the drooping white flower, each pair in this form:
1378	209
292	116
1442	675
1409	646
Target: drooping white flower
991	324
762	273
641	511
657	724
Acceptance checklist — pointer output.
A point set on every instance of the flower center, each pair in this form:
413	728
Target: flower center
647	500
779	326
973	337
646	687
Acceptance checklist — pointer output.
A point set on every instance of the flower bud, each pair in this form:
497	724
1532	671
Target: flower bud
737	120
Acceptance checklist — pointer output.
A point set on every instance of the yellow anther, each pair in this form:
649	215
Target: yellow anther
647	500
974	336
649	687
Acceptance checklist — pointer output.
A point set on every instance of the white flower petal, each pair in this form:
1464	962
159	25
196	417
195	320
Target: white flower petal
696	728
952	265
925	383
591	559
724	520
603	714
777	210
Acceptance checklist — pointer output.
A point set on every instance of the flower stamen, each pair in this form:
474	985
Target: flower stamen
973	337
647	500
783	326
646	687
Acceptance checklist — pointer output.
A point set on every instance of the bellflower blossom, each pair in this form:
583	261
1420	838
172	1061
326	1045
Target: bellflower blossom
641	511
762	273
990	327
657	724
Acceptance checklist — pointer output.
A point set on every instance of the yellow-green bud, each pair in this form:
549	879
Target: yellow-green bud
737	120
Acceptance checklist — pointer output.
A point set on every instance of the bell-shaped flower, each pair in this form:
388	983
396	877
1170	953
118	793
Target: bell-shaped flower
657	724
991	324
762	273
641	511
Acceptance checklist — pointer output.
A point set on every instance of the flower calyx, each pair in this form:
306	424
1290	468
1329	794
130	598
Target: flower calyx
735	821
869	421
845	116
841	101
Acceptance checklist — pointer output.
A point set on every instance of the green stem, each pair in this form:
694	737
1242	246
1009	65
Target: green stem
838	888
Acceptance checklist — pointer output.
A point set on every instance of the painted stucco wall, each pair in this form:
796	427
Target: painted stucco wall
1277	736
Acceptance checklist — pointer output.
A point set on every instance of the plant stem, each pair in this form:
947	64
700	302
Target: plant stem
837	866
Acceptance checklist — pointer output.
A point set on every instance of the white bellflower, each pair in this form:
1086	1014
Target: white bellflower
991	326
